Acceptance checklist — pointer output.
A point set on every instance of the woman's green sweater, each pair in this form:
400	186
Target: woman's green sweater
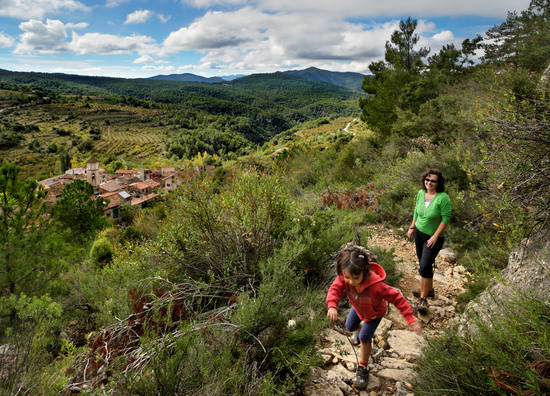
438	211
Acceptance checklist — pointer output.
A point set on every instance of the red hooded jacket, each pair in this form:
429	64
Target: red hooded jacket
370	302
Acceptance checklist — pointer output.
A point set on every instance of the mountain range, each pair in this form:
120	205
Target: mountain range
348	80
189	77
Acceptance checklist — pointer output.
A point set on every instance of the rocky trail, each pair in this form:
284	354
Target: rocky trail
395	348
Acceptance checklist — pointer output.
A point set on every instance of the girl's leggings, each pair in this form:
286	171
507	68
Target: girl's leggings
367	330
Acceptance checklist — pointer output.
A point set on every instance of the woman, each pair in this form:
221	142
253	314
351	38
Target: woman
431	215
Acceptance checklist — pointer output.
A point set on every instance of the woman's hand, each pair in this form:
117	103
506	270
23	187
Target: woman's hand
415	326
332	314
410	233
431	242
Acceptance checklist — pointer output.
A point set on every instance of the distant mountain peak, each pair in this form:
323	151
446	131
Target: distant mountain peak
349	80
187	77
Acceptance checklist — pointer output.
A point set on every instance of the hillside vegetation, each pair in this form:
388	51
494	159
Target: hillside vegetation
151	123
219	288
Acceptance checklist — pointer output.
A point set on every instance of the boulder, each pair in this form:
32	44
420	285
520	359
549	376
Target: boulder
448	255
405	343
527	272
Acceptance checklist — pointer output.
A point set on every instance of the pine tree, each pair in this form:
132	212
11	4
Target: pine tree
402	66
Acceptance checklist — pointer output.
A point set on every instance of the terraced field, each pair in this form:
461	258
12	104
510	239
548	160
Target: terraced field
138	143
131	133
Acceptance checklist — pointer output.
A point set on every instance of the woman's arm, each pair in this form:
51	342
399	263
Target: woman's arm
436	234
410	233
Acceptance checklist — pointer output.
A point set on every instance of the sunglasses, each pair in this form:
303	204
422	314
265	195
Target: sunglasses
431	180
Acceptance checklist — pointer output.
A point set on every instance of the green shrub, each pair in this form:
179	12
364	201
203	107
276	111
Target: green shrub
218	235
30	341
101	252
502	353
253	350
386	258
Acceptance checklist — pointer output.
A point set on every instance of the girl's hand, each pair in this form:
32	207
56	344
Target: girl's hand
416	327
332	314
431	242
410	233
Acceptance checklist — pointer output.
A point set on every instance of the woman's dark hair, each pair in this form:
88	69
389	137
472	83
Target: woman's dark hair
353	259
440	187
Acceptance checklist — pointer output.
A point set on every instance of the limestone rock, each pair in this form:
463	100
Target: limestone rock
374	383
528	271
327	383
339	347
383	327
448	255
405	343
397	374
388	362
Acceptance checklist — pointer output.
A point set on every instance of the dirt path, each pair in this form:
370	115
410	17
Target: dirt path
395	348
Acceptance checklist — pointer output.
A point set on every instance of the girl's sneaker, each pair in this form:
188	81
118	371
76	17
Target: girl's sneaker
361	377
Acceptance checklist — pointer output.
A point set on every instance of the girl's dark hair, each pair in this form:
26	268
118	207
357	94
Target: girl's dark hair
353	259
440	187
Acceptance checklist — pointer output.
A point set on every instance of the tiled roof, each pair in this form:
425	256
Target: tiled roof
146	184
126	171
114	200
111	185
145	198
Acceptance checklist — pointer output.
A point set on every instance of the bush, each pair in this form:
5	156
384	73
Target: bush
217	235
101	252
28	342
507	355
386	258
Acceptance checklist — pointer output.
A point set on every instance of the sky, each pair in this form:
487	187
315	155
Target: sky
139	38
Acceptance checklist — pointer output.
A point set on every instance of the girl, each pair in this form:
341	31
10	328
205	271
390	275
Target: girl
367	293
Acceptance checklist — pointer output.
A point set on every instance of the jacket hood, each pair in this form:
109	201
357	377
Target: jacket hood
376	275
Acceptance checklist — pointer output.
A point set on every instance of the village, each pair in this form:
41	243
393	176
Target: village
126	187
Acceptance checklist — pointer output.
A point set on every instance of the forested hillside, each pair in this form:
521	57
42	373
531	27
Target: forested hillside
219	288
148	122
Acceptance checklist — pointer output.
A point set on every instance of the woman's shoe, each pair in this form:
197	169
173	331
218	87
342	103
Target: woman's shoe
422	306
361	377
431	293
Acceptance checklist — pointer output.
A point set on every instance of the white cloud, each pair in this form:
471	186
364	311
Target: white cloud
164	18
81	25
5	41
158	68
392	8
217	29
23	9
149	60
211	3
248	38
138	16
109	44
115	3
43	38
52	37
444	36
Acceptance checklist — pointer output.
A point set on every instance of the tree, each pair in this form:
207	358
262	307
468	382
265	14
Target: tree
78	210
65	161
402	66
27	247
523	39
451	62
400	52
